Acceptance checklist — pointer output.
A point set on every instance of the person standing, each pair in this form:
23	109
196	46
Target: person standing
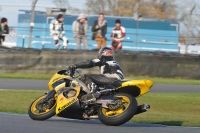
118	34
99	30
4	29
80	28
57	31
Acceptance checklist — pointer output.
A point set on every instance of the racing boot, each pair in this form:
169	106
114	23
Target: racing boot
64	47
57	44
91	97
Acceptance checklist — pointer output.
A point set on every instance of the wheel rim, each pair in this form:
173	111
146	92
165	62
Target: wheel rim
112	113
45	107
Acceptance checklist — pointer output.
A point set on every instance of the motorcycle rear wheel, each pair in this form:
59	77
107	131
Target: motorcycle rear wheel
120	115
46	112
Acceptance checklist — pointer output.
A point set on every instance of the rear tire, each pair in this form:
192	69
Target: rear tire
41	115
122	118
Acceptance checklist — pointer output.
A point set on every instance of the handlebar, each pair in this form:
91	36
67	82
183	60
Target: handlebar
71	72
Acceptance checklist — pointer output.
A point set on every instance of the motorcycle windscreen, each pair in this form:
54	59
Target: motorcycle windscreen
136	87
56	79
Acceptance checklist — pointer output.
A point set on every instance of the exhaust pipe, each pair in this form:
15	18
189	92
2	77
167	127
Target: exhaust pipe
142	108
85	116
93	117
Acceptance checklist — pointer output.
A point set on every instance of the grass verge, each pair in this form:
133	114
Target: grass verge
154	79
25	76
159	80
168	109
171	109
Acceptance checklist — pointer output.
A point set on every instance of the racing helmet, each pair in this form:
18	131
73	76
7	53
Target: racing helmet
106	51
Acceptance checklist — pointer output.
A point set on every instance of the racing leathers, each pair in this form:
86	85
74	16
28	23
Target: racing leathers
118	34
57	32
110	73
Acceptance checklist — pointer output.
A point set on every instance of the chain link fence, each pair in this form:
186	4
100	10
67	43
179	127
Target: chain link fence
176	33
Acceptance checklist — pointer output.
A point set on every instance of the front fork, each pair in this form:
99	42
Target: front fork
50	95
47	102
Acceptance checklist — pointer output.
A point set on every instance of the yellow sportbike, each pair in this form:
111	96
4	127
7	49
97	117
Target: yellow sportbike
114	107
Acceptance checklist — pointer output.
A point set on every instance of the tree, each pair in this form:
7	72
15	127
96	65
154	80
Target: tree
158	9
65	4
182	39
61	3
112	7
0	7
154	8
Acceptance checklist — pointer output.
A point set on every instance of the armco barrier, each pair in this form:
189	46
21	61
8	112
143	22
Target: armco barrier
133	64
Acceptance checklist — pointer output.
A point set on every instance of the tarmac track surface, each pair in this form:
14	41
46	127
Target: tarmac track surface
14	123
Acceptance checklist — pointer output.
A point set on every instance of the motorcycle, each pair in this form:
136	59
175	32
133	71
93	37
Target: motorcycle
114	107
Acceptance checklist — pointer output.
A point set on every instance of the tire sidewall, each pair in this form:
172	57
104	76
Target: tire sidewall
122	118
45	116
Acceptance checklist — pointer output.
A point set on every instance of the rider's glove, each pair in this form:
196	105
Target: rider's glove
72	69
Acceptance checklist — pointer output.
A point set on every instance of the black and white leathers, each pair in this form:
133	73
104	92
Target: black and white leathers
107	65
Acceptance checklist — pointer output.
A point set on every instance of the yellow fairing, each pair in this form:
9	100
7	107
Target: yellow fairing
55	78
143	85
63	102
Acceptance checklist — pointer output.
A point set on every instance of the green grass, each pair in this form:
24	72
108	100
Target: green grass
171	80
171	109
17	101
154	79
25	76
168	109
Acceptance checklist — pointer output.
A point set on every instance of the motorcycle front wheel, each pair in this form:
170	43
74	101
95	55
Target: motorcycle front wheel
120	115
39	110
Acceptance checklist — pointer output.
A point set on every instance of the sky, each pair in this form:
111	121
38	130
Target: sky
10	8
74	3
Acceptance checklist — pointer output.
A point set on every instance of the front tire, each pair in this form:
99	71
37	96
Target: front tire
42	111
120	115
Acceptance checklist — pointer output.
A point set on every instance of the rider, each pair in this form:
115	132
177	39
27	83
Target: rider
110	72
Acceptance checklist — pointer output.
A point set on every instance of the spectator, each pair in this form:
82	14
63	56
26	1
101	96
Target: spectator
99	30
80	28
4	29
57	31
118	34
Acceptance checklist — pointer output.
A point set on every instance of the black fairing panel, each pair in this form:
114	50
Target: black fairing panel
72	112
58	83
132	90
62	72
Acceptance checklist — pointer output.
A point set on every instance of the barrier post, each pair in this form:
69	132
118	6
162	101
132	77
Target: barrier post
23	40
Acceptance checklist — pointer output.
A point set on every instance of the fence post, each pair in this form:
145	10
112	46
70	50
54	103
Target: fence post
23	40
136	16
32	22
188	28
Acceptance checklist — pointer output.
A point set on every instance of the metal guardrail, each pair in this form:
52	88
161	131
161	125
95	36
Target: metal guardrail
126	39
